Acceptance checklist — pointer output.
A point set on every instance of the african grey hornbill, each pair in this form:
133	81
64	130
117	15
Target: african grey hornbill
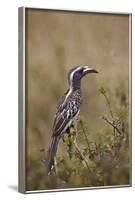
67	110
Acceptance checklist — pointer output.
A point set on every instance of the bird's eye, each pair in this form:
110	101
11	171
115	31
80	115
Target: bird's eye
81	70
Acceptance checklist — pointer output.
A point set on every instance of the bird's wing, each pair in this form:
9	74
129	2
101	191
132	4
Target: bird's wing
62	101
65	113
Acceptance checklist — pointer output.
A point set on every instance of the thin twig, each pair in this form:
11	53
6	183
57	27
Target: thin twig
85	135
110	110
113	125
109	105
81	154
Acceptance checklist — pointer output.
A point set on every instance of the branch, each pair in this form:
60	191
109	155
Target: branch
103	92
85	135
112	124
109	105
81	154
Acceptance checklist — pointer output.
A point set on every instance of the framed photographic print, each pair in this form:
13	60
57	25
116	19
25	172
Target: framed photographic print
74	100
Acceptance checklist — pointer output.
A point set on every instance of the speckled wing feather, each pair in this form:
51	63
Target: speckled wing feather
66	111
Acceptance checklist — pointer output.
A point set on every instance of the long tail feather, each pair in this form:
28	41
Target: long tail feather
52	152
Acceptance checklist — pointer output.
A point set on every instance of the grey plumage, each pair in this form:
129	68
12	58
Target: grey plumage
67	110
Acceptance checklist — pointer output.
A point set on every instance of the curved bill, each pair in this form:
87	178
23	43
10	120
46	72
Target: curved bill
89	70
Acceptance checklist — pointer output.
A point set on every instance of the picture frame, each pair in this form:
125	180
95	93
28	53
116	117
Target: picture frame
24	72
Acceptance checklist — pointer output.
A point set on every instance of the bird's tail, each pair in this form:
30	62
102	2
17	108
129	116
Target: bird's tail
51	153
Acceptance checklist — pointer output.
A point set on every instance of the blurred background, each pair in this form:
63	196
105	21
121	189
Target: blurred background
55	42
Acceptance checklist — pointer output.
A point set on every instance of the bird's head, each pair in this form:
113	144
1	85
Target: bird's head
77	73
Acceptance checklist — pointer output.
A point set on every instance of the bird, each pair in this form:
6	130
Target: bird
67	110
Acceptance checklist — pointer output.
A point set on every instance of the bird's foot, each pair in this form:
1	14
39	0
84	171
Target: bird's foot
73	132
63	139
